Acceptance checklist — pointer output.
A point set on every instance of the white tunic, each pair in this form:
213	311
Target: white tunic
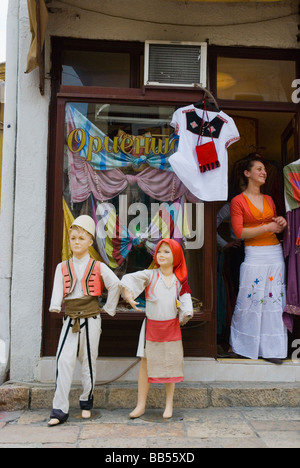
210	185
164	307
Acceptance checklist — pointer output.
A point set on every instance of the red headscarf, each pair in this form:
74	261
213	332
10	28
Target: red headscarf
179	264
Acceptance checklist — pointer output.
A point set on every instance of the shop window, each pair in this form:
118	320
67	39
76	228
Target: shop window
116	169
89	68
104	64
244	79
109	159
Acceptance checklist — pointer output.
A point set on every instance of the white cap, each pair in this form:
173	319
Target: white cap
85	222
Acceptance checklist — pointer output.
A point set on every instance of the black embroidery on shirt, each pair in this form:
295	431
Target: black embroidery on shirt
194	122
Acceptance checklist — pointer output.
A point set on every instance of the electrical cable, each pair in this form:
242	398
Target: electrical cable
159	23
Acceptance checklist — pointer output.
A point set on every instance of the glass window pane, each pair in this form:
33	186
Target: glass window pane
255	80
105	69
116	170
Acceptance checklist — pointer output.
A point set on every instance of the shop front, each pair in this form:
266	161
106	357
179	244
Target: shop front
99	142
111	160
113	141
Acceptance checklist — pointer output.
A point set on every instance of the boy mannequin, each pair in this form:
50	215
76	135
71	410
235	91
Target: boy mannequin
79	282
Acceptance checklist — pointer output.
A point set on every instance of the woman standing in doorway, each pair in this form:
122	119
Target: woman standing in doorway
257	328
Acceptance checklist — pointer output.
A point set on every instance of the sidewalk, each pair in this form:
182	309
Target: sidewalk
241	427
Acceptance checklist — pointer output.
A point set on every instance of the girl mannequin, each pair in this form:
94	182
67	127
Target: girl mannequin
162	359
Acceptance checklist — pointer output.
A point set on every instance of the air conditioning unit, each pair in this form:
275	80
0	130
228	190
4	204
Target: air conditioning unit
171	63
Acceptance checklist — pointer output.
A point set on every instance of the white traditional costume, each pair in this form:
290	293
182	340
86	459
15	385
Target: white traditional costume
79	283
189	122
166	307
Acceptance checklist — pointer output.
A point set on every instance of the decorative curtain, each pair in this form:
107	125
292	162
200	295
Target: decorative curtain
91	144
95	173
66	249
99	173
115	241
105	185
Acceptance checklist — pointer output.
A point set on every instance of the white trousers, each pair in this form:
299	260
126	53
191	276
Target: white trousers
257	328
85	346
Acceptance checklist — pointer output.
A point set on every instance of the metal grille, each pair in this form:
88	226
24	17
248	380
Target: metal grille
174	64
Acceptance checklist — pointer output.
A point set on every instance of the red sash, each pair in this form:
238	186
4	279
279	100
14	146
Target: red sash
163	331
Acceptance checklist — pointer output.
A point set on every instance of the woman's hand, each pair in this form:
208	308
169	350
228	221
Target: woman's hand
278	225
281	221
233	244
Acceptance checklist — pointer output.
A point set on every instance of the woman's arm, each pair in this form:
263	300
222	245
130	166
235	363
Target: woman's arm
250	233
237	219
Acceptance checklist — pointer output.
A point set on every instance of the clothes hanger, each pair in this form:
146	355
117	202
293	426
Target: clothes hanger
209	100
209	105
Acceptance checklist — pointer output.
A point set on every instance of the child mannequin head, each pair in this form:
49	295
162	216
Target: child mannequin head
179	264
164	256
81	234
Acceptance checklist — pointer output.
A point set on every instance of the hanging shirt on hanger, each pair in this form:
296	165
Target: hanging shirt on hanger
211	185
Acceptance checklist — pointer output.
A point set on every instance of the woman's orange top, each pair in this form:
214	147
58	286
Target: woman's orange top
245	215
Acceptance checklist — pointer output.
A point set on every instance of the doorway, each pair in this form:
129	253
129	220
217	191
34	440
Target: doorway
274	136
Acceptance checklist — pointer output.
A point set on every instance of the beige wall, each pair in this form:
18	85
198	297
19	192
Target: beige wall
2	78
272	24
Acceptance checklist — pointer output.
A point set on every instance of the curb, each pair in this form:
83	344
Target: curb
32	396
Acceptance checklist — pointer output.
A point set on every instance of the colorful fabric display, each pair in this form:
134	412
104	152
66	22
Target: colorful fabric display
91	144
105	185
291	242
115	241
292	254
292	185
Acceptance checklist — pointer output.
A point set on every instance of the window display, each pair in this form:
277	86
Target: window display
117	170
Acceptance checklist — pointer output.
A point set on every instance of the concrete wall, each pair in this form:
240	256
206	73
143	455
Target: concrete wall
7	188
250	24
22	221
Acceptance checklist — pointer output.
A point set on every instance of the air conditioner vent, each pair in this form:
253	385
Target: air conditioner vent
175	64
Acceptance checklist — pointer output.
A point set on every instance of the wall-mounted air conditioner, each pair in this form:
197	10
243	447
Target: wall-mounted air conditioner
171	63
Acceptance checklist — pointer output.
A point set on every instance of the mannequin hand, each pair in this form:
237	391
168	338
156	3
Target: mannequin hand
183	320
55	311
134	304
128	296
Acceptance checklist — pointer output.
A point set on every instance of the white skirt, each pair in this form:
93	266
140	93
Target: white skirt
257	328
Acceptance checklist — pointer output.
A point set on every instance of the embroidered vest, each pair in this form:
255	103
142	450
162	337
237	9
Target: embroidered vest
92	284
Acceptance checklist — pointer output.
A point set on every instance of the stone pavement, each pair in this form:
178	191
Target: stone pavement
238	427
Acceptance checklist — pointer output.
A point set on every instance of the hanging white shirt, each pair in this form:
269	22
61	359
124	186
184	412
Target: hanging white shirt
210	185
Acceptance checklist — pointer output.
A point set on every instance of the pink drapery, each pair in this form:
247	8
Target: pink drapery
105	185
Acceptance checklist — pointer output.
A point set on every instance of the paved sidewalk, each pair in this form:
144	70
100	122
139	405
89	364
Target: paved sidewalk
190	428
